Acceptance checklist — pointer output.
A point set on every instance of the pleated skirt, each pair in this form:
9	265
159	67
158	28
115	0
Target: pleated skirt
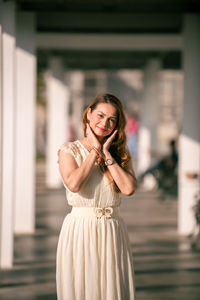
94	260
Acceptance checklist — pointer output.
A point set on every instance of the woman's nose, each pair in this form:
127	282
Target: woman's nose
105	122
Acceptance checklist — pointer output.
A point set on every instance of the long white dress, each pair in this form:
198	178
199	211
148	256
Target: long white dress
94	260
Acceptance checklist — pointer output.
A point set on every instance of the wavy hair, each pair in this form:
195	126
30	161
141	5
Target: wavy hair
118	147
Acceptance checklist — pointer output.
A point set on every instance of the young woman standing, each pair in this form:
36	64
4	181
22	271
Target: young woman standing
94	259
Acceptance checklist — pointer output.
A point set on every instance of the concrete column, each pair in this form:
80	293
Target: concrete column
148	132
7	51
189	143
25	124
57	127
1	139
77	89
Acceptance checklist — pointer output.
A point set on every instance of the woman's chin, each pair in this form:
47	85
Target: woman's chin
101	135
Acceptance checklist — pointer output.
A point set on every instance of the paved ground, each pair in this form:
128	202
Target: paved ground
165	265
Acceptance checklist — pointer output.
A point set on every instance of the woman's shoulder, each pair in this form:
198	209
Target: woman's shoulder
70	147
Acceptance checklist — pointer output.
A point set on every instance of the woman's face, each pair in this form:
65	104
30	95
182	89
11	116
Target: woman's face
102	119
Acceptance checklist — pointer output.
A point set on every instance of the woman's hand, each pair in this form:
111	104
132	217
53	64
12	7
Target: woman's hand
108	142
93	141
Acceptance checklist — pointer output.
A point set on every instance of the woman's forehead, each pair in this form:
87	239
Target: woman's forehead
107	108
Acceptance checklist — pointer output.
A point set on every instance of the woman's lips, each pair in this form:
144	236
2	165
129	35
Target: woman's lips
102	129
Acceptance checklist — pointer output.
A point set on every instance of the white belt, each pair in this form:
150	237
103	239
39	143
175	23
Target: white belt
98	212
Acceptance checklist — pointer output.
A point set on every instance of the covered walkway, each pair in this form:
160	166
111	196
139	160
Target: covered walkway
144	52
165	265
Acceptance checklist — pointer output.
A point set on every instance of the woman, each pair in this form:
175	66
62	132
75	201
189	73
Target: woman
94	260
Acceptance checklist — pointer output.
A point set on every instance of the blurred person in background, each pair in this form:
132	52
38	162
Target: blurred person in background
132	137
165	171
94	259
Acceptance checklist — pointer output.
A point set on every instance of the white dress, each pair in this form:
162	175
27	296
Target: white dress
94	260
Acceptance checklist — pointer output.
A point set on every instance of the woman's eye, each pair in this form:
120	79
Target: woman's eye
101	116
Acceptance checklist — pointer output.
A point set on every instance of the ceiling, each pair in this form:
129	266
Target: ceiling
109	17
179	6
110	60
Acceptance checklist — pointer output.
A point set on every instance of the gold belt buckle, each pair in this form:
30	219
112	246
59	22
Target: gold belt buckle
103	211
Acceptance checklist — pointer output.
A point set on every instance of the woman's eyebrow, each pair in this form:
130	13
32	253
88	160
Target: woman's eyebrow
105	114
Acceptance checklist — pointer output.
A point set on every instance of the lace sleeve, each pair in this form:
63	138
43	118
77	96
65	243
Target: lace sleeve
70	148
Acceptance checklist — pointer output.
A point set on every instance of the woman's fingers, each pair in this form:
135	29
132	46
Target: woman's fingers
112	136
91	136
109	140
87	129
90	131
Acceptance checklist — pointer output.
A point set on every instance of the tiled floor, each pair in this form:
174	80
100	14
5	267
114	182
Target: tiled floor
165	265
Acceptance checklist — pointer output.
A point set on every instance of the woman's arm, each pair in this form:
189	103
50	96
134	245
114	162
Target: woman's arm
124	178
74	176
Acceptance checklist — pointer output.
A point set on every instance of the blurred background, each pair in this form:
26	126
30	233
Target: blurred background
55	57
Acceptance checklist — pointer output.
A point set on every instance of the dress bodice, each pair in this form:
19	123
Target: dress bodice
96	190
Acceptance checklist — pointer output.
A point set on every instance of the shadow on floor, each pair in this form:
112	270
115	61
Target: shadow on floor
165	265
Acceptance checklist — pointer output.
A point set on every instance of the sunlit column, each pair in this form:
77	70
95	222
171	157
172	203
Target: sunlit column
189	143
70	132
25	124
149	115
7	52
77	98
57	126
